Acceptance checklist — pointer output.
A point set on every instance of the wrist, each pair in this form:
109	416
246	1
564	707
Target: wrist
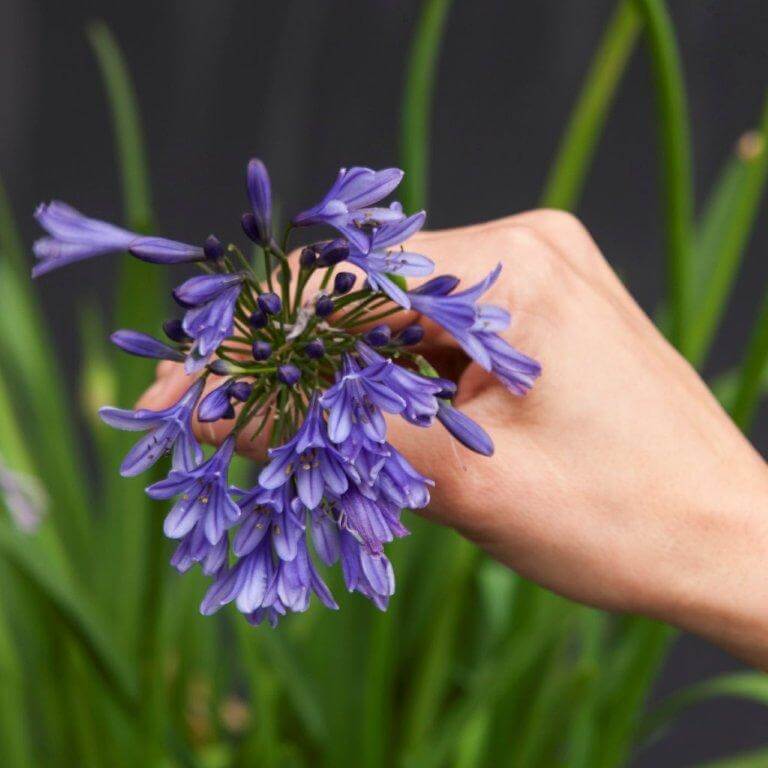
716	584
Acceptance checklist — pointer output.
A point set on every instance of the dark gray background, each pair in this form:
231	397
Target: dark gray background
311	85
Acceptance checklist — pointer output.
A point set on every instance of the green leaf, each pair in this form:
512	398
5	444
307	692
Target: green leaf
752	686
753	369
417	102
56	589
723	233
578	144
675	157
756	759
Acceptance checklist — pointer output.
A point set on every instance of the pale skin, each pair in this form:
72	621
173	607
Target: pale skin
618	481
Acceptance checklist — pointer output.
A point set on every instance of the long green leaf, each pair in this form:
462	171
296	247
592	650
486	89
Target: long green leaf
56	589
579	141
675	157
752	370
752	686
417	102
723	234
756	759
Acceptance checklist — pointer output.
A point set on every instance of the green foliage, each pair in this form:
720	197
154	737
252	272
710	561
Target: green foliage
104	660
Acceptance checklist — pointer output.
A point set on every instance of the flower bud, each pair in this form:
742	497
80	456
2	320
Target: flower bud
315	349
257	319
269	303
261	350
466	431
333	252
142	345
213	248
260	194
248	223
215	404
241	390
308	257
441	285
288	374
174	330
343	283
410	335
323	306
222	367
378	336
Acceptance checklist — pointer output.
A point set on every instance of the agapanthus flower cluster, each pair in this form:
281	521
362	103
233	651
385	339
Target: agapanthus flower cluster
310	373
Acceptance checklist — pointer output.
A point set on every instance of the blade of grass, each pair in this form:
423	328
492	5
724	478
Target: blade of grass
417	102
752	371
568	171
675	157
723	235
752	686
56	589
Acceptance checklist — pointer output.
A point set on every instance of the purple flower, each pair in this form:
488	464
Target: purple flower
217	404
378	262
417	391
260	194
347	203
203	497
74	237
210	318
195	548
309	457
356	402
373	521
401	484
168	429
367	573
466	431
143	345
474	326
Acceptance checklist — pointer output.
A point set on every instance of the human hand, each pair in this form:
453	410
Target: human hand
618	481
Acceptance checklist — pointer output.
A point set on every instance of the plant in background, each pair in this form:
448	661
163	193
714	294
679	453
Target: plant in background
313	374
471	665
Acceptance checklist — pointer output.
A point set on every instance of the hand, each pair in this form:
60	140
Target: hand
618	481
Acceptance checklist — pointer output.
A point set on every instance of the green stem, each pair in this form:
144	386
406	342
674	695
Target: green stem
675	156
585	125
748	393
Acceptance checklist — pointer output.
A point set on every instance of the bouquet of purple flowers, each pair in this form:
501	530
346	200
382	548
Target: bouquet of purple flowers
310	371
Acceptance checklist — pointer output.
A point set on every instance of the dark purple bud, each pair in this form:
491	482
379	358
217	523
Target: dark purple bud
142	345
260	193
308	257
221	368
411	334
215	404
269	303
248	223
324	306
289	374
174	330
229	413
378	336
315	349
333	252
441	285
466	431
241	390
448	388
213	248
257	319
261	350
343	283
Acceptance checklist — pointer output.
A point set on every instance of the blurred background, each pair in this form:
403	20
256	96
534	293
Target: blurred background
310	85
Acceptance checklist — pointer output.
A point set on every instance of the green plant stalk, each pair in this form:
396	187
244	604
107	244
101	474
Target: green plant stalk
578	144
723	235
676	169
417	102
752	369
